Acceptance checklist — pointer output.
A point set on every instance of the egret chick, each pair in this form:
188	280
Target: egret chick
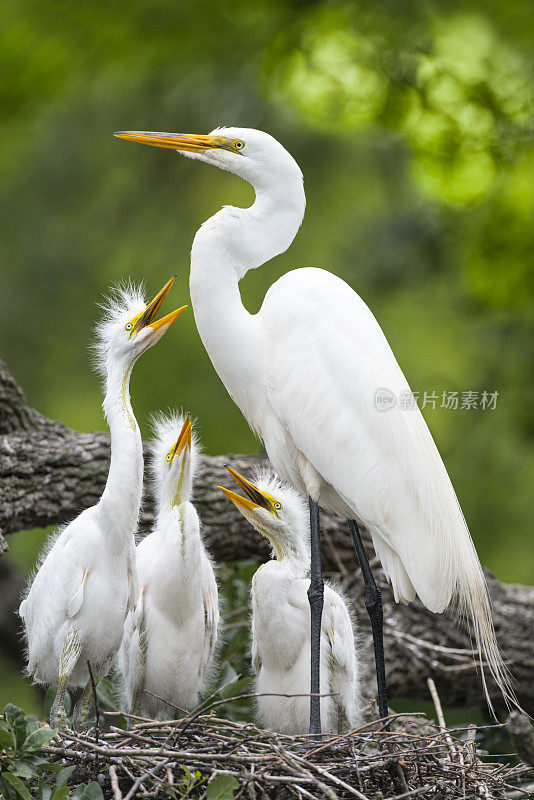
75	607
170	635
281	618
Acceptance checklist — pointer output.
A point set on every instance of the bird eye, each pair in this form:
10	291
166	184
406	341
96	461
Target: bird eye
239	145
168	457
128	327
278	506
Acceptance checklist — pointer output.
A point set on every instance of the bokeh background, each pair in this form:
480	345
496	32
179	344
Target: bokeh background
413	124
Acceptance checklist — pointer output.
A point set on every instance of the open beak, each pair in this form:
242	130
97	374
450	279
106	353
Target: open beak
254	499
184	439
146	318
237	500
191	143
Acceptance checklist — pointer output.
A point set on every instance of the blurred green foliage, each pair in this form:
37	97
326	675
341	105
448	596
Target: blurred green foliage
413	124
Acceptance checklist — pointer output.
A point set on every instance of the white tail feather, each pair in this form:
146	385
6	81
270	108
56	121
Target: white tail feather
474	603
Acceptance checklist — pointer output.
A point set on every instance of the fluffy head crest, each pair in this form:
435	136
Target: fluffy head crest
293	502
123	302
166	428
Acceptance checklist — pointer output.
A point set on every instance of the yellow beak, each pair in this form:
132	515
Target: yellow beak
177	141
147	316
237	500
256	498
184	439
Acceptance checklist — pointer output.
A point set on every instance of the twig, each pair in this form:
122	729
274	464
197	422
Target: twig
236	612
264	763
142	778
246	696
167	702
330	777
117	794
439	713
411	793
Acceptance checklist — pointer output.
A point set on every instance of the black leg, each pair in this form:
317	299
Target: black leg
373	604
315	596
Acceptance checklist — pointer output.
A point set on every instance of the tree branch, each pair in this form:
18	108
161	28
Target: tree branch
50	473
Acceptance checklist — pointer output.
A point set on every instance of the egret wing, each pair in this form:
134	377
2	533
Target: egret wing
138	610
74	591
384	465
256	658
345	683
337	625
133	583
210	597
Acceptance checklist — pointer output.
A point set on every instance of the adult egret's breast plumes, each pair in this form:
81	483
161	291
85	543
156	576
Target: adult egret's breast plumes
281	618
75	607
305	371
171	633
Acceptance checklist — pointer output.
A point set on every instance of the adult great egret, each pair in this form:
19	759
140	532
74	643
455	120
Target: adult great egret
170	634
75	607
281	617
305	371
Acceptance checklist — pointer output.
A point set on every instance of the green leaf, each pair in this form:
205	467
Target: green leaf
120	722
5	789
78	791
62	793
7	740
16	720
92	792
20	788
44	791
230	680
63	776
37	739
32	723
222	788
22	769
35	760
241	686
12	712
50	766
107	695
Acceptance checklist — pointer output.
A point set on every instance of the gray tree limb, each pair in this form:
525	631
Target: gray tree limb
50	473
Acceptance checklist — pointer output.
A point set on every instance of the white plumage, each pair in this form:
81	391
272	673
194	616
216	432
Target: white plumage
305	370
75	607
281	618
170	635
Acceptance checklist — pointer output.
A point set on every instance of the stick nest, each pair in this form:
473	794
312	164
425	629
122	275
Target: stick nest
182	758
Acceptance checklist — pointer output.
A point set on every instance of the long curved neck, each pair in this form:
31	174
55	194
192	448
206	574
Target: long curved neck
121	500
294	554
176	566
225	248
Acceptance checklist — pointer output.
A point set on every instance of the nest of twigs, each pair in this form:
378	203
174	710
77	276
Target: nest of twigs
182	758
